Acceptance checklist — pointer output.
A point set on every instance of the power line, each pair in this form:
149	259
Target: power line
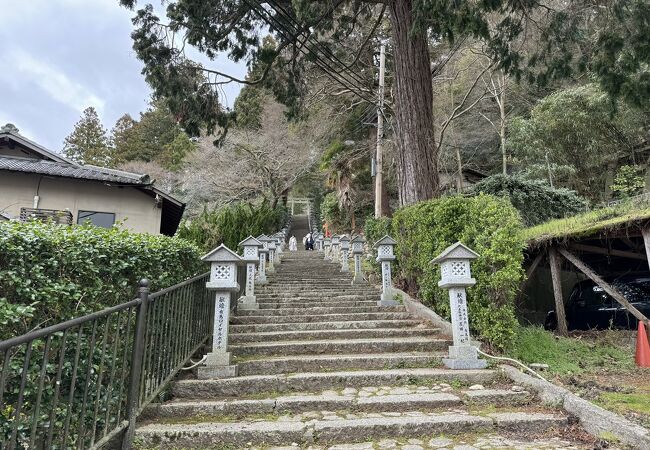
330	55
319	61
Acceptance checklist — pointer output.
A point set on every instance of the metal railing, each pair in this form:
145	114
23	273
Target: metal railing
82	383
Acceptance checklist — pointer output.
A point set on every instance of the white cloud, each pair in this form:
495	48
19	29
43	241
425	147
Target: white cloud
53	81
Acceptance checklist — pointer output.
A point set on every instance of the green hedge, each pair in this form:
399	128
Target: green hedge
50	273
535	200
491	227
232	224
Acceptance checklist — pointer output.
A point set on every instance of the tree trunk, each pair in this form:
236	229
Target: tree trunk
416	153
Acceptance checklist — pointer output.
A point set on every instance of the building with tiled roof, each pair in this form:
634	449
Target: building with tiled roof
36	182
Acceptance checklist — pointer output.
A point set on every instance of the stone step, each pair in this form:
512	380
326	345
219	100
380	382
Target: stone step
326	298
323	363
316	309
342	325
321	318
370	399
307	348
316	382
333	429
309	335
296	303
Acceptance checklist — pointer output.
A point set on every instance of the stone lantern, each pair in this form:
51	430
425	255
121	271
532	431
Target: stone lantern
272	247
279	247
327	247
251	257
263	254
456	277
223	280
357	251
336	239
344	243
385	256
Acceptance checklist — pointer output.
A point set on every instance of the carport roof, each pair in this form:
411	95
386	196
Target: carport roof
625	217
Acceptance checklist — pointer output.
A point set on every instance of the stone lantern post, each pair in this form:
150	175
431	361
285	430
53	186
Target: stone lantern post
263	255
279	247
357	251
223	280
344	242
272	248
251	257
385	256
336	240
327	248
456	277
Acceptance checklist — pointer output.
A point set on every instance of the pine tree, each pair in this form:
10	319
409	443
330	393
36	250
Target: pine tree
88	143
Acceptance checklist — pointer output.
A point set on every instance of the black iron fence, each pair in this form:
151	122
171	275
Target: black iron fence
82	383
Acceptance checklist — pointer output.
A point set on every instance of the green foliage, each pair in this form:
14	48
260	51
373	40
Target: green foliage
535	200
50	273
621	56
231	225
576	130
490	226
331	213
376	229
88	143
629	181
249	106
567	356
155	137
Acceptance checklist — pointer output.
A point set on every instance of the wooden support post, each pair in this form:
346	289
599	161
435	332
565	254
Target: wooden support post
531	269
611	291
645	232
556	276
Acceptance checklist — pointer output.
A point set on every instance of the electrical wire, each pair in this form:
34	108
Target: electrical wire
324	63
501	358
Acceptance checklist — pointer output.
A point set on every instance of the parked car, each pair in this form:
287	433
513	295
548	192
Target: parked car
589	306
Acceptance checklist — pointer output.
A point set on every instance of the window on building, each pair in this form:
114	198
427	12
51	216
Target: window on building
99	219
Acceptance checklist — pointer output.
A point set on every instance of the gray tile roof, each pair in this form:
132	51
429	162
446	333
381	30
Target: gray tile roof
72	171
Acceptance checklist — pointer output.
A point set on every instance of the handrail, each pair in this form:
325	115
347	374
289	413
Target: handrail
81	383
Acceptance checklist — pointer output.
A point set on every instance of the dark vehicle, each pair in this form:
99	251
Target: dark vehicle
589	306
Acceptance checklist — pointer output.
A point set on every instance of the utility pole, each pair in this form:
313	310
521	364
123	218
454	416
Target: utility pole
379	178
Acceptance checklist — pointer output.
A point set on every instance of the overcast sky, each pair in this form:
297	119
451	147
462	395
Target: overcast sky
58	57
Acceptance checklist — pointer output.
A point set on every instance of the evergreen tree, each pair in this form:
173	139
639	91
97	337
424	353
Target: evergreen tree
155	137
88	143
233	26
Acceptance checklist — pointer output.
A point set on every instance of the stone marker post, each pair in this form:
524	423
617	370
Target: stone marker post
223	280
251	257
327	246
344	242
385	256
357	251
456	276
319	242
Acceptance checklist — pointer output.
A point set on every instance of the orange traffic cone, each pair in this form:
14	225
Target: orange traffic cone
642	347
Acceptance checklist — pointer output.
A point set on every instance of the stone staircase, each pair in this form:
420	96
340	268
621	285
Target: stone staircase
321	366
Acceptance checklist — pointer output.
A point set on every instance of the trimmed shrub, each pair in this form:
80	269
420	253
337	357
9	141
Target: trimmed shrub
231	225
491	227
50	273
535	200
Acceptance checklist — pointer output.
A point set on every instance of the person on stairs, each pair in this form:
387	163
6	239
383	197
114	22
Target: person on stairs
293	244
309	242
